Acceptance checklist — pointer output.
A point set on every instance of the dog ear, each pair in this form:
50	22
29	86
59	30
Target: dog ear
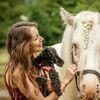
58	61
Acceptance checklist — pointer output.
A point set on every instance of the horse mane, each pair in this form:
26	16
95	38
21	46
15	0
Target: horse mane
66	46
88	15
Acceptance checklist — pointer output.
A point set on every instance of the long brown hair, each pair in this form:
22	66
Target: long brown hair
18	42
18	47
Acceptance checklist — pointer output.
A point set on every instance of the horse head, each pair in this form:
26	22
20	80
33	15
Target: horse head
81	45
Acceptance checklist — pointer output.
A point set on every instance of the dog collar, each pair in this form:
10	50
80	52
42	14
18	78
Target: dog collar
46	68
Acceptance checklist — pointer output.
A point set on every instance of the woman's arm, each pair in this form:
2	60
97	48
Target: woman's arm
69	76
28	89
32	92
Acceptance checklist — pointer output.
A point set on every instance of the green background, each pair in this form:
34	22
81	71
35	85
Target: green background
44	12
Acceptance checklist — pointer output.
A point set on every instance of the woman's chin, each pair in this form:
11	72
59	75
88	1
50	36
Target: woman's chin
40	49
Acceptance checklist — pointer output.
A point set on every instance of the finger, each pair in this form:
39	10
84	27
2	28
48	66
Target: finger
72	71
75	71
73	67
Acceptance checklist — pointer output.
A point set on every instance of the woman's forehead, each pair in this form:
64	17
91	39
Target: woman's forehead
34	31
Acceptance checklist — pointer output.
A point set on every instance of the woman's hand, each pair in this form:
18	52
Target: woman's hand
70	73
50	89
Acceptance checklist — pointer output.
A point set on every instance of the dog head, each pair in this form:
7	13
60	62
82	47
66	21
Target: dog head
48	57
50	54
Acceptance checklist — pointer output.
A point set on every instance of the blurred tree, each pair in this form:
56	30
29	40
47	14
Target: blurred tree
9	14
44	12
93	5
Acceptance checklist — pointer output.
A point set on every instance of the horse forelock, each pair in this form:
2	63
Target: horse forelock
88	16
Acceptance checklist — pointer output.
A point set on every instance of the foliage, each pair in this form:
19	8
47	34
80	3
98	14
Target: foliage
3	61
10	12
44	12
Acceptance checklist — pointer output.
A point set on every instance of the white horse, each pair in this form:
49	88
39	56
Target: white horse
81	45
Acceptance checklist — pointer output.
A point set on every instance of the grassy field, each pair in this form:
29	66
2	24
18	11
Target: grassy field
3	61
3	56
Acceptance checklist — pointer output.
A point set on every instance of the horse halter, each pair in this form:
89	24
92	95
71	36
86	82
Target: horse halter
86	71
87	27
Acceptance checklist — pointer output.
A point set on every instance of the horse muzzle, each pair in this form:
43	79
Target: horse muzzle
90	85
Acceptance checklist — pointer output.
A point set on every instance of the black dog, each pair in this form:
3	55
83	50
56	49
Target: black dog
48	58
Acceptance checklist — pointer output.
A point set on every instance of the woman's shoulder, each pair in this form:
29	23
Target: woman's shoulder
12	74
20	73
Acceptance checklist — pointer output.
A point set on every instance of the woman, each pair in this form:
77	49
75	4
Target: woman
24	43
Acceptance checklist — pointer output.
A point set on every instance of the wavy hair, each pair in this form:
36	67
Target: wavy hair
18	42
18	47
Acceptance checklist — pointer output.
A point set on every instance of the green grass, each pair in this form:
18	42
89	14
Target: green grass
3	56
3	61
2	83
2	67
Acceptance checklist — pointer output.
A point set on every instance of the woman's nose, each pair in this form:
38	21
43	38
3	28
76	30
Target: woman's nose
41	38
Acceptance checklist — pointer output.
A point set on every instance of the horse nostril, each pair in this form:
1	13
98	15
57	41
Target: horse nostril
83	87
98	88
98	92
83	90
89	92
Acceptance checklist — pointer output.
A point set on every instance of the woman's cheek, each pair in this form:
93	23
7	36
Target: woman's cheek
31	48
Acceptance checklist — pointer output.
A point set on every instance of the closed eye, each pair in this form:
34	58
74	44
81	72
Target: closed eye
36	37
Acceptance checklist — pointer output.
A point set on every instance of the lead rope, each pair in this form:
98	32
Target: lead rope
75	62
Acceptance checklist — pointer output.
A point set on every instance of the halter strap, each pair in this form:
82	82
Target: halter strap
76	82
90	71
87	71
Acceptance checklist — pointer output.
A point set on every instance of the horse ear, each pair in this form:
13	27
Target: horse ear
66	17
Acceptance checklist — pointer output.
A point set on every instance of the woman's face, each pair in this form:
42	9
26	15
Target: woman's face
35	44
